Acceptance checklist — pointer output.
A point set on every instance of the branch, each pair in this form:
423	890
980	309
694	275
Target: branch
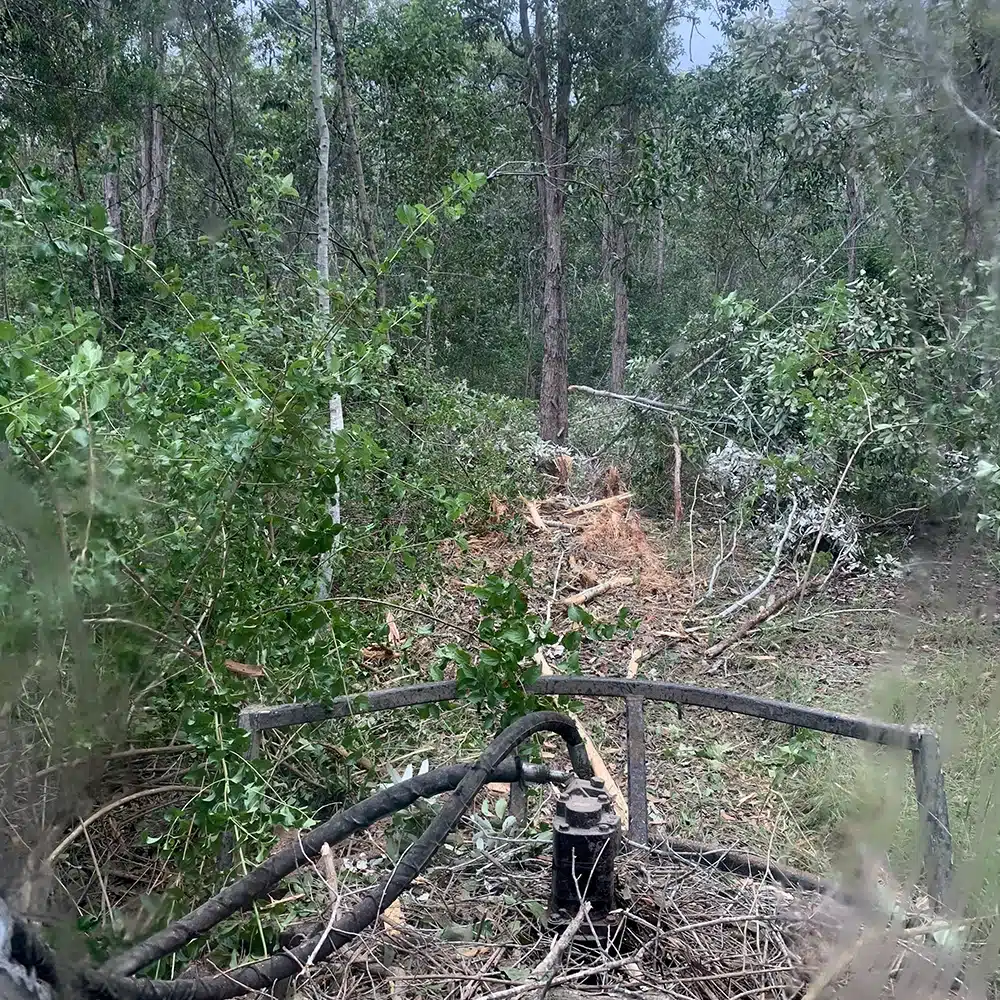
646	403
104	810
747	598
808	585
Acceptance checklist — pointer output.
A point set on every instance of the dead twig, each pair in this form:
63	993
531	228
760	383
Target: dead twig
594	504
547	966
808	585
678	500
104	810
747	598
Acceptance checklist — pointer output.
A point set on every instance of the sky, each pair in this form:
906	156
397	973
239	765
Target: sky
698	41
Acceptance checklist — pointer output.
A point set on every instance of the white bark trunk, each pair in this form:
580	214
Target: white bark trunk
323	264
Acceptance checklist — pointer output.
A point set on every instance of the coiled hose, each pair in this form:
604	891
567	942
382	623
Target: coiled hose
113	981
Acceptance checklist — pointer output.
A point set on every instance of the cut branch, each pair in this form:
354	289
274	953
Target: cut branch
805	587
602	588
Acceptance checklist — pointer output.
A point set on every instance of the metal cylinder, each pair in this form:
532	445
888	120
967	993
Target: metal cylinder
586	839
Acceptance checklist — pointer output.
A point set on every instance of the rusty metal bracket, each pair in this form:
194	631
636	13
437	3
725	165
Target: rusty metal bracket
921	743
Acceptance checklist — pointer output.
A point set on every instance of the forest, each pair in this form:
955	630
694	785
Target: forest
347	345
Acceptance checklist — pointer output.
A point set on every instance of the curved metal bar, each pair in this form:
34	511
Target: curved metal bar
920	742
257	717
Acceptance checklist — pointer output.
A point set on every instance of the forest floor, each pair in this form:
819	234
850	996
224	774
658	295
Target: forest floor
915	647
918	646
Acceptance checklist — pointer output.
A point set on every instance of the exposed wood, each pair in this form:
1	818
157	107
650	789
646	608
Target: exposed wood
807	586
594	504
678	499
636	658
533	514
602	588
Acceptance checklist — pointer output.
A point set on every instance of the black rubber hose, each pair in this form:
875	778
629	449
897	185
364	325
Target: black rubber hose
100	985
261	880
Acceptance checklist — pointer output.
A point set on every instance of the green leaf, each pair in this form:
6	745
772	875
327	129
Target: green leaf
99	398
89	355
516	633
7	331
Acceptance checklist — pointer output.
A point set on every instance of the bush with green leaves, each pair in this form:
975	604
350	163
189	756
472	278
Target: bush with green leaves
180	442
871	391
496	678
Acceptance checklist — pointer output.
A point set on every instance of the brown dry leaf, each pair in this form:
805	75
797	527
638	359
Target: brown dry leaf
244	669
394	918
377	654
395	636
497	507
474	952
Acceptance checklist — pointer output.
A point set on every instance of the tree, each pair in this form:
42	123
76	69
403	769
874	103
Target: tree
323	260
548	109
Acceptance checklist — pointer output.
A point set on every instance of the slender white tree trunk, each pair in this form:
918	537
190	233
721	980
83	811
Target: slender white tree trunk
323	263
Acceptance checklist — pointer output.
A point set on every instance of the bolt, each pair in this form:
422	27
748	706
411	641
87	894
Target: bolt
597	782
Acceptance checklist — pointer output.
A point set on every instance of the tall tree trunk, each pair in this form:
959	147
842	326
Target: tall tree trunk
853	196
334	16
153	152
550	130
619	334
323	264
113	202
622	230
660	250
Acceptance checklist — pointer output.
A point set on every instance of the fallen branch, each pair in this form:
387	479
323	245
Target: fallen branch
806	586
547	966
330	877
747	598
602	588
104	810
645	403
594	504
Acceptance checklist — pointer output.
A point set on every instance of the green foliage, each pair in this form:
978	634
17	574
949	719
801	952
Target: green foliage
186	460
869	381
496	677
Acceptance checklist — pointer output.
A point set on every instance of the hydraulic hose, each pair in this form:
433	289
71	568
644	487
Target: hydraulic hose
106	984
261	880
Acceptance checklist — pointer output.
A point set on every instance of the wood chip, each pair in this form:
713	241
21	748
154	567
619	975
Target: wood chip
533	516
244	669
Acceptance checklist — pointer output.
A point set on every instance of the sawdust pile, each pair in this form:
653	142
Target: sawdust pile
605	541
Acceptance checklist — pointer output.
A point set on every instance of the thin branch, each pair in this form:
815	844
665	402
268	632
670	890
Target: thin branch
747	598
110	807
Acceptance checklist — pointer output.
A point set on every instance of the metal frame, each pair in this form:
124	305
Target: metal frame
922	743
